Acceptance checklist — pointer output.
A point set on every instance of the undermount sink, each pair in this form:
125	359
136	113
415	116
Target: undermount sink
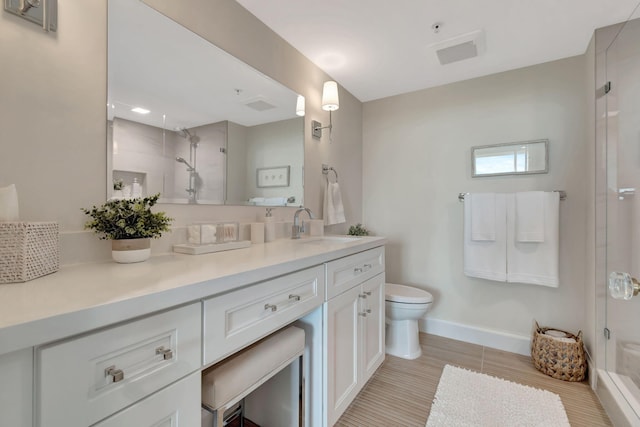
329	239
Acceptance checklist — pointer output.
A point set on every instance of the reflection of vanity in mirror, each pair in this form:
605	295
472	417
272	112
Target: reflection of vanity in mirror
191	122
514	158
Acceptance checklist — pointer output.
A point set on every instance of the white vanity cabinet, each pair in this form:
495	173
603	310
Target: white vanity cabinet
16	388
354	330
132	354
86	379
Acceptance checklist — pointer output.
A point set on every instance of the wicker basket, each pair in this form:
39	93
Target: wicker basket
558	359
27	250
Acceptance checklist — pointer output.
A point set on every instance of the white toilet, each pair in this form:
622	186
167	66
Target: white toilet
404	306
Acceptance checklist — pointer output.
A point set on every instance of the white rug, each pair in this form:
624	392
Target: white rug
467	398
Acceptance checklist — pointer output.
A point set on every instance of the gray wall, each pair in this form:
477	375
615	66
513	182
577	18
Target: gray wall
417	159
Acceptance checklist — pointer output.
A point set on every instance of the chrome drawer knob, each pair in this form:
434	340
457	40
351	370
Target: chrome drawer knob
166	353
294	297
271	307
363	314
357	270
115	374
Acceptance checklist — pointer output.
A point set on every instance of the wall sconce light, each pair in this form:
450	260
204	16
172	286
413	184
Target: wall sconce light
300	106
330	102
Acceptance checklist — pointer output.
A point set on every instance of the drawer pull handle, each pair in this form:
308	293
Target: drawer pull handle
363	296
166	353
294	297
368	310
363	314
271	307
116	374
367	267
357	270
367	293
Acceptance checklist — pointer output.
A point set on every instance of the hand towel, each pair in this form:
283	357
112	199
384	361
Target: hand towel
530	216
483	216
487	259
9	203
333	209
535	262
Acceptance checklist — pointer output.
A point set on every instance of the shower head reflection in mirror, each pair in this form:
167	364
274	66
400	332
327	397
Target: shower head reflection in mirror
237	119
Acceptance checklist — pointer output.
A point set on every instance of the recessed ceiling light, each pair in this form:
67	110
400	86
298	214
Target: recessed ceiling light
140	110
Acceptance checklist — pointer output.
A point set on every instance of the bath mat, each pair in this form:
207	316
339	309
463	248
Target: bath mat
467	398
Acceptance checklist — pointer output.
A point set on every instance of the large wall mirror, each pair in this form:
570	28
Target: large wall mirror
191	122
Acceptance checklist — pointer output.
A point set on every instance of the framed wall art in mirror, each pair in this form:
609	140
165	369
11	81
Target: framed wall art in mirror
191	122
513	158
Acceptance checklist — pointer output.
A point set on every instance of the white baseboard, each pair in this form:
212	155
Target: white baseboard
487	337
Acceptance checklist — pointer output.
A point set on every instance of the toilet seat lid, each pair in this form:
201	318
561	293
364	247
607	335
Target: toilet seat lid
406	294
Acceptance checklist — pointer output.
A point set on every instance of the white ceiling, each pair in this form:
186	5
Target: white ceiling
380	48
182	79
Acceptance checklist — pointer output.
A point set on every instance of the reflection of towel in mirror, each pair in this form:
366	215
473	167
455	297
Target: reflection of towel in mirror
268	201
333	208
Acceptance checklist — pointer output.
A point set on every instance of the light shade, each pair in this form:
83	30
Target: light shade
330	101
300	106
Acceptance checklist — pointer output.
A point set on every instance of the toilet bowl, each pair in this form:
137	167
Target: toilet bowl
404	306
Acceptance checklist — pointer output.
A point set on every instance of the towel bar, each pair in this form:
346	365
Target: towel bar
563	195
326	169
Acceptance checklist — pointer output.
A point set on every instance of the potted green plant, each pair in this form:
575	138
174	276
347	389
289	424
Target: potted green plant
358	230
130	225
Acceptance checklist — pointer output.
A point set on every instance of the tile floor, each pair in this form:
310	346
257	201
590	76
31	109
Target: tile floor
401	391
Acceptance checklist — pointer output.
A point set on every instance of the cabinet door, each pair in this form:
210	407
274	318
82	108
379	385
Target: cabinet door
175	406
341	352
373	326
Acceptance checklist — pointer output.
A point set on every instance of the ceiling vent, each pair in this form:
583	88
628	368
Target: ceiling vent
259	104
459	48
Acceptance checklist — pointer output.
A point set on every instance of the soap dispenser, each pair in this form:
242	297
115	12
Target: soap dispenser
269	226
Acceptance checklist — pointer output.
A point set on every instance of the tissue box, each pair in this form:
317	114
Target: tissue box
28	250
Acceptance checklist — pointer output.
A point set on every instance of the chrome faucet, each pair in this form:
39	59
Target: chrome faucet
297	227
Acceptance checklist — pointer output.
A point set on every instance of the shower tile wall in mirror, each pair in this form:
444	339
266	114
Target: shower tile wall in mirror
191	122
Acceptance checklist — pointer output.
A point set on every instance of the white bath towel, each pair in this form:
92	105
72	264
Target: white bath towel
535	262
530	207
483	216
333	209
487	259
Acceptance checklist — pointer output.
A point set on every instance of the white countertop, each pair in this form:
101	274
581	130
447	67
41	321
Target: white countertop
83	297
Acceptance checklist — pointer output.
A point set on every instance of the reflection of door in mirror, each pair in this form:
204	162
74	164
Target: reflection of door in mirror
194	102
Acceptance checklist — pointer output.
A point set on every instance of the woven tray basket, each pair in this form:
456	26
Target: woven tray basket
561	360
28	250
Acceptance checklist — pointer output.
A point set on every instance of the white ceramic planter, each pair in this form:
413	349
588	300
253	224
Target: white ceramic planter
127	251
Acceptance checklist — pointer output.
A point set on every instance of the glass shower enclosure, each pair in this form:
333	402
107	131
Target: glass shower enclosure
619	155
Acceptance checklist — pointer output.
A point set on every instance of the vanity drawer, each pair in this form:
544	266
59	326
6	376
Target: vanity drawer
84	380
345	273
233	320
175	406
